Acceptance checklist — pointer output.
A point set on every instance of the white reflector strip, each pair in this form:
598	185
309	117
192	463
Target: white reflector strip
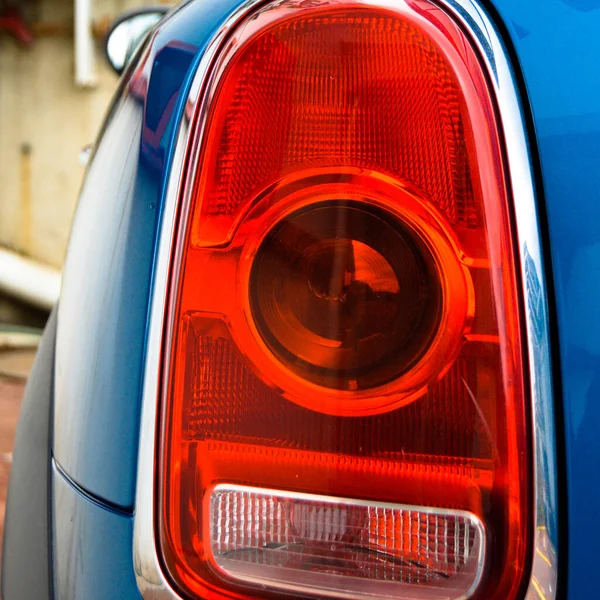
344	548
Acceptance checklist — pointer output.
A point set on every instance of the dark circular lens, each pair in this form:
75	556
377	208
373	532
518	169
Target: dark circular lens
346	295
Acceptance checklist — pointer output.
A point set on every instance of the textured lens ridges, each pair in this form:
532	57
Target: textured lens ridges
343	539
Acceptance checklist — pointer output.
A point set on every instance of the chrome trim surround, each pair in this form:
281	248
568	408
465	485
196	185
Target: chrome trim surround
151	580
363	589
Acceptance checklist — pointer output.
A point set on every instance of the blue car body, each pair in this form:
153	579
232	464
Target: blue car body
90	369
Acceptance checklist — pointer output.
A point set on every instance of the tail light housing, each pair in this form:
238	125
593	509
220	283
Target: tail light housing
344	411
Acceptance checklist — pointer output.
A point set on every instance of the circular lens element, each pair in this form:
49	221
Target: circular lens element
345	295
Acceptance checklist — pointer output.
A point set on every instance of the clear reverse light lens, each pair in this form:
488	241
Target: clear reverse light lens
341	547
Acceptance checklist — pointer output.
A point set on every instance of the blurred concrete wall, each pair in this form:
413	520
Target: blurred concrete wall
45	121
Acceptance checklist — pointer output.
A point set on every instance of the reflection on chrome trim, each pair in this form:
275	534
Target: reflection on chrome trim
152	583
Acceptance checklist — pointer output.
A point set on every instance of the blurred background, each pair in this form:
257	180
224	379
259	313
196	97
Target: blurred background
55	86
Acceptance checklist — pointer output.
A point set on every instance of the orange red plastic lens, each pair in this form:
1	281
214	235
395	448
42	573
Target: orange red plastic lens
346	320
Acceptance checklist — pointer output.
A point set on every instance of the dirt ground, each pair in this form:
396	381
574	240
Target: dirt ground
14	368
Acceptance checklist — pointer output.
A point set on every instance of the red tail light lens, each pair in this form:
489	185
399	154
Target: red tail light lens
344	412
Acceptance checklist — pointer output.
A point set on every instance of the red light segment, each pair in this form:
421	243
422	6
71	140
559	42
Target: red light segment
365	88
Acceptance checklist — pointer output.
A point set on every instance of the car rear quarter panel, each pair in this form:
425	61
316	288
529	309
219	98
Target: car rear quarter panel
106	280
556	45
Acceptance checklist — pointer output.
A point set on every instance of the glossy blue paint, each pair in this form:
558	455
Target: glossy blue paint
556	42
106	279
92	547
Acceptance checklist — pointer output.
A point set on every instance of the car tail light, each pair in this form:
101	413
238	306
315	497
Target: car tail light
344	410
